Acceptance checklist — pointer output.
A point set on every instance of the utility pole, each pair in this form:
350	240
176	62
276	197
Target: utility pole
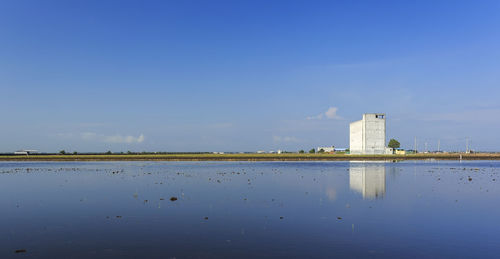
426	150
439	145
415	145
467	145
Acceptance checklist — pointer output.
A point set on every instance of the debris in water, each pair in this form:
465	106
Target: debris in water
20	251
339	217
282	217
206	218
173	198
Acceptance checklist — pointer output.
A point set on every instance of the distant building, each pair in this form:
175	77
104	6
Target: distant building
367	136
399	151
326	149
25	152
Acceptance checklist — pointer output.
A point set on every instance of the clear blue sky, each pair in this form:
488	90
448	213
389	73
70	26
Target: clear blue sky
246	75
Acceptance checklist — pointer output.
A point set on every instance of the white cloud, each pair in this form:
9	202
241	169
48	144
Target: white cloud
331	114
124	139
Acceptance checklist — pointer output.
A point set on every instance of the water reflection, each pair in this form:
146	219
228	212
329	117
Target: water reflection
250	209
367	179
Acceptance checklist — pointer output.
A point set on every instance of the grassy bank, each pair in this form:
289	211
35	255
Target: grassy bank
247	157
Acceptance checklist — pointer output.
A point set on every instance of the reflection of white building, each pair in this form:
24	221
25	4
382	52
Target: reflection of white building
367	136
368	179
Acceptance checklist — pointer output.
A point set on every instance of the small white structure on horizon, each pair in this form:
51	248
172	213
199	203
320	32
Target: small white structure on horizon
367	136
25	152
326	149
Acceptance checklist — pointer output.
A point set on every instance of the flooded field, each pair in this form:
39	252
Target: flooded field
249	209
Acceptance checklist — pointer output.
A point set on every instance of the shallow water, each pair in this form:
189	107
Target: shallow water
249	209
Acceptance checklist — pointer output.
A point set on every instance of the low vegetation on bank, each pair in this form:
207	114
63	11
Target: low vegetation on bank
246	157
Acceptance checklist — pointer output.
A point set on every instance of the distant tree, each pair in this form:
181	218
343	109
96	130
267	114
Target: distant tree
321	151
75	153
394	143
62	152
301	151
312	151
129	152
109	152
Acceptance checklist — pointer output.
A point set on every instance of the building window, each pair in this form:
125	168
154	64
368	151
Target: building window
379	116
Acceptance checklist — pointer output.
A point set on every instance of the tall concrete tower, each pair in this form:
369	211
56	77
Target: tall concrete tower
367	136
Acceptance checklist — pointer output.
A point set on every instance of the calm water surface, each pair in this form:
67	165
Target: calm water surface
250	209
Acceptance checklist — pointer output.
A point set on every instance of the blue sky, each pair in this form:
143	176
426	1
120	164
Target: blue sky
246	75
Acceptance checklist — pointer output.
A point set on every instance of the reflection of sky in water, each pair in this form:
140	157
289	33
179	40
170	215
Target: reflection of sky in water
244	209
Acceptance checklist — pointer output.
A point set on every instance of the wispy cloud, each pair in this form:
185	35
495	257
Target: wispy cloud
64	135
470	116
286	139
221	125
88	135
92	136
317	117
124	139
330	114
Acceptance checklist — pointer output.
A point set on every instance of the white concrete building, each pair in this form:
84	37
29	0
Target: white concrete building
367	136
